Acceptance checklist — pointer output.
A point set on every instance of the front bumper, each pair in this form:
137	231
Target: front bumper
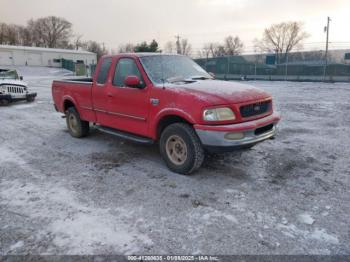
215	138
6	97
12	98
31	95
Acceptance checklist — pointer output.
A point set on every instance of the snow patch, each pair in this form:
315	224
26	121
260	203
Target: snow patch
318	234
19	244
7	155
306	219
82	231
214	214
76	227
24	106
322	235
291	230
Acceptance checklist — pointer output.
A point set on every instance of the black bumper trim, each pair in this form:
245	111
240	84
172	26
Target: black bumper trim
6	97
227	149
11	99
30	95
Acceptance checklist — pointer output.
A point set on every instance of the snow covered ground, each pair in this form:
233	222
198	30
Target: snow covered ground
104	195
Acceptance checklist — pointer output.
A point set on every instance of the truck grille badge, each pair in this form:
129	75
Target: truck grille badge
154	101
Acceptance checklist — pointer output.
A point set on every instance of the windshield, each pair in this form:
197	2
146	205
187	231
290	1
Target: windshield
8	74
172	68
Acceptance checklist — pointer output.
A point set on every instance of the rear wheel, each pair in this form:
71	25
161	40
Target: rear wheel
77	128
181	148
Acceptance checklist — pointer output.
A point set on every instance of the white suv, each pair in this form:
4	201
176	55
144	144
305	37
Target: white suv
12	88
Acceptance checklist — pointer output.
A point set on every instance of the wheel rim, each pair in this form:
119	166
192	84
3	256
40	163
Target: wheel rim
73	123
176	150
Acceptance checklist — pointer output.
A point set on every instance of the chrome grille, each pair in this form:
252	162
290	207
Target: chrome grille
255	109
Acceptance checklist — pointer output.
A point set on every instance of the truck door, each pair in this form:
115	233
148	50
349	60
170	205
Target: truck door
128	106
99	92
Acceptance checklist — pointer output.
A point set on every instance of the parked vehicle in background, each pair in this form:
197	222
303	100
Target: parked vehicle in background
170	99
13	88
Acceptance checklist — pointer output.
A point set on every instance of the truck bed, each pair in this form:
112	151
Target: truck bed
85	80
78	92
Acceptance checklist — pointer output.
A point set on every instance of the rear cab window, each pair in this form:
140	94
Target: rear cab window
104	69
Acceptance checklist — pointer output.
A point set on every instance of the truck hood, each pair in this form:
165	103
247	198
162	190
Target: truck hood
12	82
222	92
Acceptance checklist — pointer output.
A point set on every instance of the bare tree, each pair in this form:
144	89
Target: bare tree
185	47
34	33
282	38
170	47
3	31
77	42
216	49
25	36
10	34
127	48
206	51
233	45
50	31
94	47
180	46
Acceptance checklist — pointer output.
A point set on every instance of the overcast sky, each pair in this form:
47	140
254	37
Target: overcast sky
115	22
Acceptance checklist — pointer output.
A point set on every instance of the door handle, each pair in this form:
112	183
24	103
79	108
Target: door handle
110	95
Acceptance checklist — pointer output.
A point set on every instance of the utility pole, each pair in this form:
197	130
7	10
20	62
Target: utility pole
178	44
286	71
104	51
326	29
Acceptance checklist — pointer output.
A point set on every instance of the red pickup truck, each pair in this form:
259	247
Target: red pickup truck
149	97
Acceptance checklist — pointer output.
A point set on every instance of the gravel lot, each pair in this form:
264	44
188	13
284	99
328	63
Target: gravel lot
103	195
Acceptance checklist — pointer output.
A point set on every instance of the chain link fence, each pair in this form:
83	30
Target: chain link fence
296	67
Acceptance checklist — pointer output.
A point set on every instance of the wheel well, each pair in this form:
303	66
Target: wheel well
67	104
168	120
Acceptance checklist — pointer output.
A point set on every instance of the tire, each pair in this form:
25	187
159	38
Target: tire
30	99
4	102
248	147
174	140
77	128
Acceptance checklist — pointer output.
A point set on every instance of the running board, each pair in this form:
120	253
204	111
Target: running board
125	135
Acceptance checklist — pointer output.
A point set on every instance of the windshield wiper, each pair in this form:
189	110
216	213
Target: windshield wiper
200	77
178	79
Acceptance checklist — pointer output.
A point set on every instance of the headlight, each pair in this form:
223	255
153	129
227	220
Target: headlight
218	114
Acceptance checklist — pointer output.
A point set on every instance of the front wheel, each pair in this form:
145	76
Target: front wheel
77	128
181	148
4	102
30	99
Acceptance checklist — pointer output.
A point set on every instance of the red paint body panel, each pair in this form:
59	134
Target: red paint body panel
78	94
140	111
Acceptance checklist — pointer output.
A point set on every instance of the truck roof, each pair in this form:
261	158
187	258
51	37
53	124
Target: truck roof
142	54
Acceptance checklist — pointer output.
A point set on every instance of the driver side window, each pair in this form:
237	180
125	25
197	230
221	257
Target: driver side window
126	67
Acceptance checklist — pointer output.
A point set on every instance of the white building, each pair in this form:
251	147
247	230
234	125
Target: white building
38	56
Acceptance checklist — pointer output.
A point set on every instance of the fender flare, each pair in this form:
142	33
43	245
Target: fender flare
70	99
169	112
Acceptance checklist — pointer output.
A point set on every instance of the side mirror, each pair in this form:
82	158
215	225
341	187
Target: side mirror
21	78
132	81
